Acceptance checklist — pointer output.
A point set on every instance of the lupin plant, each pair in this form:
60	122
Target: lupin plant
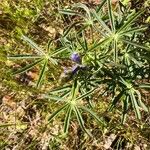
115	58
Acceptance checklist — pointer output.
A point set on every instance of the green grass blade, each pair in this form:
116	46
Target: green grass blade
111	16
67	119
32	44
28	67
81	121
57	112
92	114
130	21
136	44
135	105
23	57
42	73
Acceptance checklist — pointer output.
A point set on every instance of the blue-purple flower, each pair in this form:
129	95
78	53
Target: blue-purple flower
76	57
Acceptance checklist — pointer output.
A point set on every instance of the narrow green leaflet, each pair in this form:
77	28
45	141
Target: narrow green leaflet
115	100
136	44
92	114
115	51
6	125
28	67
67	31
69	12
86	94
74	89
32	44
111	16
103	42
81	121
100	6
60	89
141	104
42	73
23	57
125	109
145	86
101	22
80	5
54	97
67	119
57	51
57	112
135	105
132	30
130	21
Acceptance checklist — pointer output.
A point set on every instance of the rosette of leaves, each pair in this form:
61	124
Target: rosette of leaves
41	57
115	30
73	105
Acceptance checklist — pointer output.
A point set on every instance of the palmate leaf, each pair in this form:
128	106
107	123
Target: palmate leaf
28	67
57	112
111	16
67	118
42	73
32	44
80	120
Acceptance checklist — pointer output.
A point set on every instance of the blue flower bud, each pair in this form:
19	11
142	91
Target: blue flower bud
75	69
76	57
